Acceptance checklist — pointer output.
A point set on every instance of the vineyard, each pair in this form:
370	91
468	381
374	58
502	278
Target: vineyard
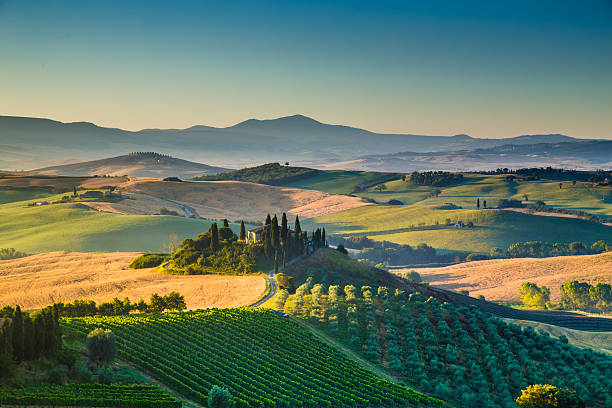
459	354
264	360
89	395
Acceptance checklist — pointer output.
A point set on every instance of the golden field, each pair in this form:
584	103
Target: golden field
500	279
39	280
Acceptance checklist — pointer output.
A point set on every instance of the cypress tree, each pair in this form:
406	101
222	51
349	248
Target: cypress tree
284	229
267	242
268	220
225	223
284	257
18	343
276	262
214	237
478	203
242	231
323	238
297	228
275	232
29	342
6	339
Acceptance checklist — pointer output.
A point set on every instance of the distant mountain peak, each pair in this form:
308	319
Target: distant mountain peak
284	121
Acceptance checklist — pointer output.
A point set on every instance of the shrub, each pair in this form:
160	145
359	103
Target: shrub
148	261
340	248
394	202
532	295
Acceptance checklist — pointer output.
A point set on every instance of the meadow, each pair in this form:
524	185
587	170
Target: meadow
414	224
76	227
342	181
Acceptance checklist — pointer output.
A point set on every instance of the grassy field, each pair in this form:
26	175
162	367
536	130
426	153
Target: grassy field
11	195
76	227
415	224
601	341
341	181
39	280
500	279
581	196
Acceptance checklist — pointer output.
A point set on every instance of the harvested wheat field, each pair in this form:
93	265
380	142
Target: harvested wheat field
500	279
233	200
39	280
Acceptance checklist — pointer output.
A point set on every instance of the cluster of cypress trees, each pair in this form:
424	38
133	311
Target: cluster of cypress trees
25	336
280	242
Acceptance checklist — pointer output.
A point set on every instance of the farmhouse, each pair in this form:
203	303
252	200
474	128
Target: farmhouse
255	235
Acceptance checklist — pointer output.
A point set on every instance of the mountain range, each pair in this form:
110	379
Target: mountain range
27	143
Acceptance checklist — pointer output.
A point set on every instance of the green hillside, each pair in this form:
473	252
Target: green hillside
579	196
11	195
75	227
459	354
264	360
414	224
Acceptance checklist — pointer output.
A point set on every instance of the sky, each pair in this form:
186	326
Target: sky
484	68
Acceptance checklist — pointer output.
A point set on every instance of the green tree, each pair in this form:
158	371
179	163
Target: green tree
101	346
267	242
284	229
225	223
297	227
219	397
340	248
275	232
214	237
532	295
497	253
18	343
242	231
157	303
268	220
175	301
548	396
575	294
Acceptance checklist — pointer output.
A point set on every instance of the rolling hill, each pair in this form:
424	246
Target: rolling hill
500	279
414	224
135	165
39	280
33	142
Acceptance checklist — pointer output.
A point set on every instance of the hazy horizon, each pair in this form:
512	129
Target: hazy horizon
489	70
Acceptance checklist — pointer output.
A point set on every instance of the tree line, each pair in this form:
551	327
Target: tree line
27	336
117	307
575	295
271	173
433	178
539	249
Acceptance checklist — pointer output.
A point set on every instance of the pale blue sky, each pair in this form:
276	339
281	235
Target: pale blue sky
489	69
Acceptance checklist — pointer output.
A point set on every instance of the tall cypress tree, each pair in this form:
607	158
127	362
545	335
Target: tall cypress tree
214	237
275	232
29	342
276	262
297	228
323	238
6	339
18	343
225	223
284	229
267	243
242	231
268	220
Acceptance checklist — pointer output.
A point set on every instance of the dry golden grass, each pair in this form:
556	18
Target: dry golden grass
38	280
233	200
500	279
